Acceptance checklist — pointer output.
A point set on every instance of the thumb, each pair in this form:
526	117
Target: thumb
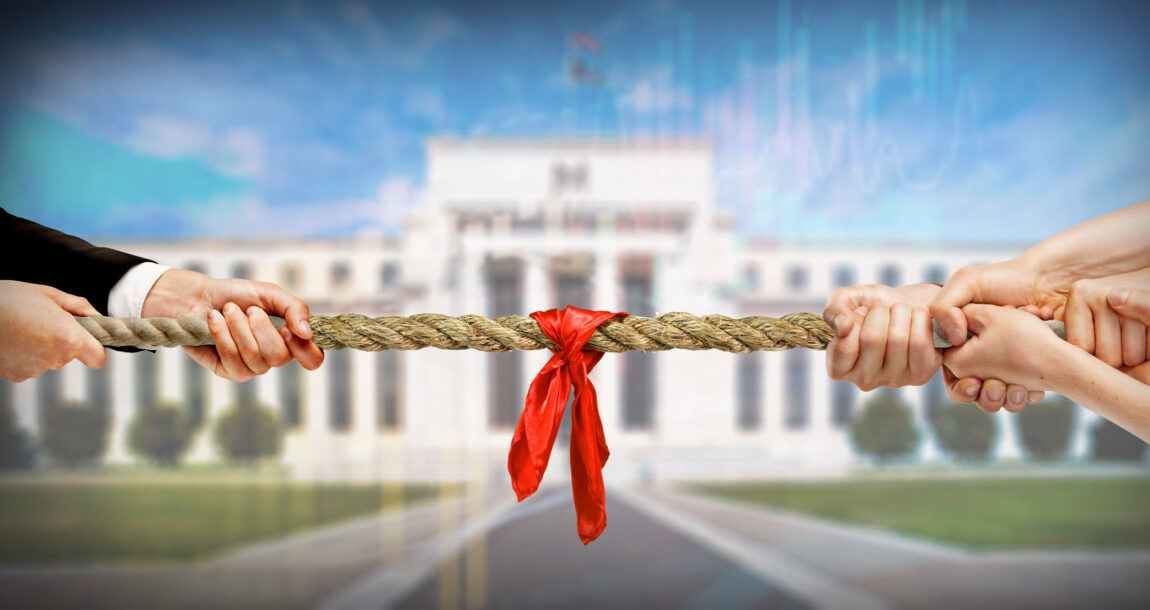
1130	303
289	307
77	306
945	308
91	353
977	316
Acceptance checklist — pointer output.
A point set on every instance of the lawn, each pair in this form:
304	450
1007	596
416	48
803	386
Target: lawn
977	513
93	520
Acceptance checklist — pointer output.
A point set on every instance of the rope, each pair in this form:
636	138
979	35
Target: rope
675	330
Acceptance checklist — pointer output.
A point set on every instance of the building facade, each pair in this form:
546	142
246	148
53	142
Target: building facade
515	226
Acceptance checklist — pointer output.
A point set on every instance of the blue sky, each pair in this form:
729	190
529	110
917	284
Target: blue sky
903	120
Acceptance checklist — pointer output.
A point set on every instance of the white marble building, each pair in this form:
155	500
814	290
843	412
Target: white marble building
515	226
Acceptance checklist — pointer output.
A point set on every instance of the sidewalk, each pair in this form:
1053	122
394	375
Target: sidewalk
838	565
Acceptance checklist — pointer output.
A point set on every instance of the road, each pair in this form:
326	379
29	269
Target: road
538	562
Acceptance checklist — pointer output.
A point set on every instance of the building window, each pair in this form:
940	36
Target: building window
339	386
291	395
844	275
797	410
750	383
505	370
889	275
842	403
48	388
195	383
387	390
389	276
146	364
797	277
340	273
936	274
292	276
572	177
751	276
638	408
242	271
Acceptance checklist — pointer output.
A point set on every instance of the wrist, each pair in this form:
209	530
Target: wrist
172	293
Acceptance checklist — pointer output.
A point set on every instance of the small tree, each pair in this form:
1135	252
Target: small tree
161	433
965	431
1045	428
247	433
74	433
884	429
1111	442
16	448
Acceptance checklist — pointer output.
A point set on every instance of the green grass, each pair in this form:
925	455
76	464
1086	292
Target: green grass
978	513
97	520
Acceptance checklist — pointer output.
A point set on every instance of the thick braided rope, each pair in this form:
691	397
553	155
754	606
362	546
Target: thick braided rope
632	333
675	330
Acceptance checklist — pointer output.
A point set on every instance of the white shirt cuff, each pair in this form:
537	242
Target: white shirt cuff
126	299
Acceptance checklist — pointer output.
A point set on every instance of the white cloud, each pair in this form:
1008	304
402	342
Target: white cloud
247	217
236	151
427	103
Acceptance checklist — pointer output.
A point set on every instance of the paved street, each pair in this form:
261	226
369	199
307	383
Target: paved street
538	562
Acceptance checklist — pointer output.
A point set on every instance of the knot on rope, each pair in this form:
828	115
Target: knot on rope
569	329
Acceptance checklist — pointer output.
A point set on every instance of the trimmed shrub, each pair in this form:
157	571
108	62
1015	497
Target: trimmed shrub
884	429
161	433
1045	428
965	431
1111	442
73	433
248	432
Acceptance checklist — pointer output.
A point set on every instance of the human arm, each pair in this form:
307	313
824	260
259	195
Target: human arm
883	337
246	343
39	332
1013	344
36	254
1041	277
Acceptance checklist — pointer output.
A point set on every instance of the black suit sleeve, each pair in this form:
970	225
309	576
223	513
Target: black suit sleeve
36	254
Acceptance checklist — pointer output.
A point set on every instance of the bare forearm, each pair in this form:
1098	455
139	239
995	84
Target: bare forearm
1103	389
1108	245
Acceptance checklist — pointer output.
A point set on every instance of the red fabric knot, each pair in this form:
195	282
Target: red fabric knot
570	329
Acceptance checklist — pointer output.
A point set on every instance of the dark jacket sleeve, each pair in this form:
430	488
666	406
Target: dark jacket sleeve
36	254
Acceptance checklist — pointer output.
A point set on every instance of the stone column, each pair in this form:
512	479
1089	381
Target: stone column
123	401
536	289
607	375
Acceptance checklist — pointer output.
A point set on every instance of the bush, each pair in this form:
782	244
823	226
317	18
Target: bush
884	429
1045	428
161	433
73	433
16	448
1111	442
965	431
246	433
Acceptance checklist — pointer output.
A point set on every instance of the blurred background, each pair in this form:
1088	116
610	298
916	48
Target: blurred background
391	158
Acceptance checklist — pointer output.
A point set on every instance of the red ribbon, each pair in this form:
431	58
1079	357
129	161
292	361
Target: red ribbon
570	329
